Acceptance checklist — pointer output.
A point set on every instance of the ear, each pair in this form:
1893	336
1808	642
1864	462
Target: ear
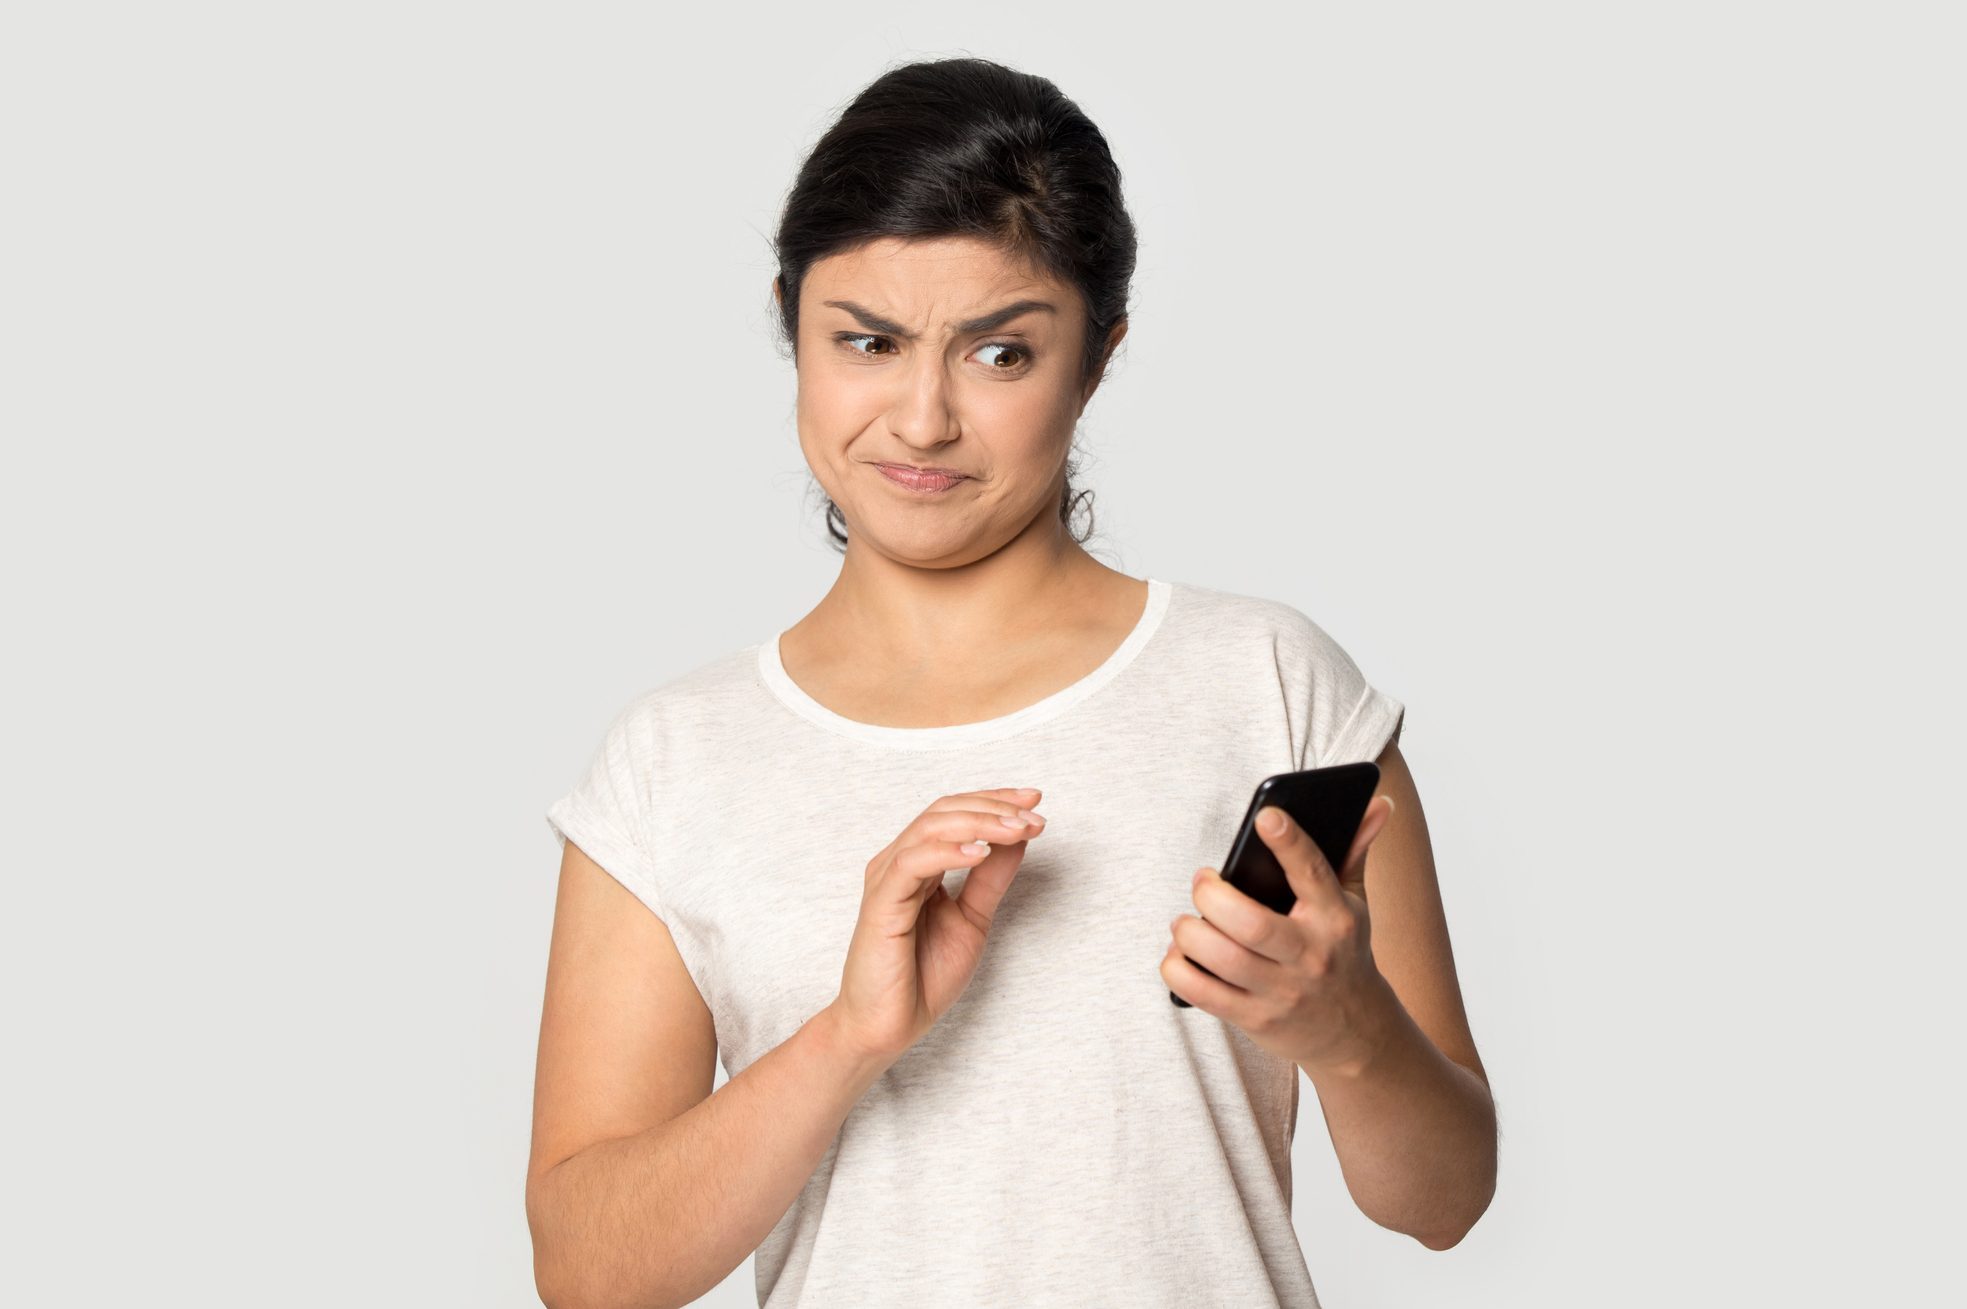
778	292
1113	339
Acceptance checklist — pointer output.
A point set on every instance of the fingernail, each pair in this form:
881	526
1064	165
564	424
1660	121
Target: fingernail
1270	822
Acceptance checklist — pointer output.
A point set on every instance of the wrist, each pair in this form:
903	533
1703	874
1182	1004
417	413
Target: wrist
831	1035
1384	1022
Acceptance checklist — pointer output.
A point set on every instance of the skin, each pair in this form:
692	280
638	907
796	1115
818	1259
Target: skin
978	602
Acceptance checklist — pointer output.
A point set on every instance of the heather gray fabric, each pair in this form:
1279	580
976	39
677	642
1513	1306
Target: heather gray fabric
1065	1135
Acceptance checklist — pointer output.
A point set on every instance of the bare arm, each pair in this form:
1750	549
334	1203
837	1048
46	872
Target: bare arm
644	1188
1415	1125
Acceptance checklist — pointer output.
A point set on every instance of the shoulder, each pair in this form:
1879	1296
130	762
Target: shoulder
1275	625
703	693
1335	714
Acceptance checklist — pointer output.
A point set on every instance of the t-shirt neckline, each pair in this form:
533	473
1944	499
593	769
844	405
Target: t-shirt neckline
772	671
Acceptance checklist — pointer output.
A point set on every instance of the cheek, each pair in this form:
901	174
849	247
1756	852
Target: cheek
833	404
1030	421
821	392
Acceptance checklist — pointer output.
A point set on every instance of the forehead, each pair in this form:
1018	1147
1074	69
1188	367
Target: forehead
930	274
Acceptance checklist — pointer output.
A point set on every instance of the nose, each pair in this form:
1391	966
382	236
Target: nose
921	413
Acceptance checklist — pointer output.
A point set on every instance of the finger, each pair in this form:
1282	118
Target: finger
1201	942
1249	922
971	824
1007	801
1311	875
897	888
1211	995
991	870
922	864
976	802
983	890
1018	797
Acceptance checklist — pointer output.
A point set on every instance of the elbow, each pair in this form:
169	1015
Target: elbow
563	1287
552	1280
1443	1242
564	1279
553	1300
1485	1189
565	1295
556	1289
551	1296
1448	1239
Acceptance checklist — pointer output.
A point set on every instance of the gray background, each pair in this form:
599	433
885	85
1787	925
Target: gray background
389	395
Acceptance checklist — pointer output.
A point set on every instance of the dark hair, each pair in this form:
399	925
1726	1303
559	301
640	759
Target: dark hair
966	147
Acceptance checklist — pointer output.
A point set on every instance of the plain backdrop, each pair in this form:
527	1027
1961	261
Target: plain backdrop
389	395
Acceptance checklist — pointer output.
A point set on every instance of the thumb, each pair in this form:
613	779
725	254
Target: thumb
1353	876
1306	869
984	888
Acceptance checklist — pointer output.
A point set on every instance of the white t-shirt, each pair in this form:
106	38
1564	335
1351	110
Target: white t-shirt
1065	1134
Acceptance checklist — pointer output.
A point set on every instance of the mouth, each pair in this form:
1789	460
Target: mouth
921	479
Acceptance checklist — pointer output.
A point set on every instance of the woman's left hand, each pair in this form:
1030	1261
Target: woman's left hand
1303	984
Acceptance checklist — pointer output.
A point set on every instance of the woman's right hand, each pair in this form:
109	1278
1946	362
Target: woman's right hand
914	948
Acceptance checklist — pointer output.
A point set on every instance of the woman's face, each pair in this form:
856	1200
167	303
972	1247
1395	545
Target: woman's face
907	356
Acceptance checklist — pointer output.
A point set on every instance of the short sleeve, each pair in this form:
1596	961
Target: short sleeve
608	815
605	813
1347	718
1373	724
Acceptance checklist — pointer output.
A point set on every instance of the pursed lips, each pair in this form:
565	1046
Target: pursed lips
912	468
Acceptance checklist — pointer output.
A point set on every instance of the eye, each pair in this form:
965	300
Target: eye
1023	356
847	339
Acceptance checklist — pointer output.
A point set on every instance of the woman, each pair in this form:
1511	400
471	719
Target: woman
913	1118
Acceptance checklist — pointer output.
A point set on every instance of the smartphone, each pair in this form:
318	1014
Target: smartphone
1328	803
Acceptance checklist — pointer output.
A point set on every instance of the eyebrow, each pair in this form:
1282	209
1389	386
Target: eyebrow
989	322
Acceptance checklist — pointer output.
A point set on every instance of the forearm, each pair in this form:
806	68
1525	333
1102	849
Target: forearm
1415	1132
661	1217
